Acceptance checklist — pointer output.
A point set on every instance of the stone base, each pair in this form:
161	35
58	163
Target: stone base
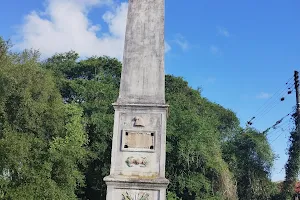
121	188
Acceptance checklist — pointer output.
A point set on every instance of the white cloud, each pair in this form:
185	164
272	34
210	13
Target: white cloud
211	80
214	49
65	26
223	31
263	95
167	47
181	41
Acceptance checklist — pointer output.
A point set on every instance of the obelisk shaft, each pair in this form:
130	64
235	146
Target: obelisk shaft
143	76
139	139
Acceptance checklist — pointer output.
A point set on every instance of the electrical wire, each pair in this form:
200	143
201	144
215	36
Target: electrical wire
279	122
272	102
280	129
283	128
278	136
275	103
273	96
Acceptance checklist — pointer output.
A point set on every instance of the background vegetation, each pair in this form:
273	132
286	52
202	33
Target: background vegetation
56	122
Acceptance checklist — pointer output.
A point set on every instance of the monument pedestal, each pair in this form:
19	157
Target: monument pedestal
130	189
138	153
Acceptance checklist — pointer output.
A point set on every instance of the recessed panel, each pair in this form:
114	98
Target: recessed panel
138	140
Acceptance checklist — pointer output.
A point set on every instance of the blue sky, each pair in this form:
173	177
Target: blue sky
239	52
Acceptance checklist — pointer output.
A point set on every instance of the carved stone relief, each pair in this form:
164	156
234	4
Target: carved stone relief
135	196
132	161
139	121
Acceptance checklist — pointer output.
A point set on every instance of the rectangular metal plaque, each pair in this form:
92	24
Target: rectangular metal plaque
138	140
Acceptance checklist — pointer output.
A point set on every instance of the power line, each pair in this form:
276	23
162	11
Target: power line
279	128
279	122
296	110
287	82
271	102
277	137
282	129
281	97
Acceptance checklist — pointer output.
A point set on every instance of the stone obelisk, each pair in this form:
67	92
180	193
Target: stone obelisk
139	139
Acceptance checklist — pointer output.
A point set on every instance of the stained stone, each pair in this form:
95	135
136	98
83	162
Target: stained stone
143	77
139	138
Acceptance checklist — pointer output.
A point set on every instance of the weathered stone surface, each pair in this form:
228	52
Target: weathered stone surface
143	77
138	168
135	140
155	121
139	141
155	188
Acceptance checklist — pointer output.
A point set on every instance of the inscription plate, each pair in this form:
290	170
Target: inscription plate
138	140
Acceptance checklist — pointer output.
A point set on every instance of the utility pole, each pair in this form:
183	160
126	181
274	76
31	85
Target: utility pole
292	166
297	114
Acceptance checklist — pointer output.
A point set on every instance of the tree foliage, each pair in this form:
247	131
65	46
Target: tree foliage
56	129
195	166
42	140
292	166
251	159
92	83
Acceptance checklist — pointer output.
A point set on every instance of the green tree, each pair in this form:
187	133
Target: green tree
42	140
201	135
292	166
195	167
250	158
92	83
